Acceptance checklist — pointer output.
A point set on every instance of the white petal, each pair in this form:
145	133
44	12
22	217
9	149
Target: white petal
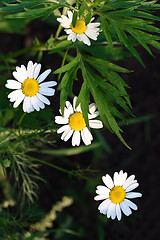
86	136
37	104
18	101
91	34
103	207
63	128
92	108
71	36
36	71
93	25
111	210
128	181
95	124
47	91
122	178
83	38
69	109
66	135
133	195
21	73
30	69
94	115
116	179
76	138
15	95
65	21
74	103
61	120
43	76
102	190
108	181
12	84
131	204
131	187
126	210
43	99
118	212
68	31
74	38
27	105
78	108
67	113
48	84
70	14
100	197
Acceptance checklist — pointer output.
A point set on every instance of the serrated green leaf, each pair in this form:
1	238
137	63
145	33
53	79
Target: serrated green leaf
35	13
104	65
106	31
60	46
68	66
124	39
105	106
74	19
66	87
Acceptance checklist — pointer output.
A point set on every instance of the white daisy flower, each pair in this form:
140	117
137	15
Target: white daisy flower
75	124
116	194
29	87
81	31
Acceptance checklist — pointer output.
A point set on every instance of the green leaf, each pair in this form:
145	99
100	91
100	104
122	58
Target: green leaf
74	19
125	40
66	87
106	109
67	66
104	65
60	46
83	99
107	34
71	151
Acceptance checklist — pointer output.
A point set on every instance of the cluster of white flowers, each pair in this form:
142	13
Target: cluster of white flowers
30	89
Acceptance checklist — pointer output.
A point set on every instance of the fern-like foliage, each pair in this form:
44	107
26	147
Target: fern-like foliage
129	23
132	22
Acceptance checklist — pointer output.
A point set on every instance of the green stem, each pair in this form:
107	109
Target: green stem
57	167
58	31
6	188
63	62
20	121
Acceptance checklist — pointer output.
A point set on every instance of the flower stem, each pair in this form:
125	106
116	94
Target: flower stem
72	173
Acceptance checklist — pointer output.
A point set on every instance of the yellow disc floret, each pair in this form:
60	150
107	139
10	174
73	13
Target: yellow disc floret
117	194
76	121
30	87
80	27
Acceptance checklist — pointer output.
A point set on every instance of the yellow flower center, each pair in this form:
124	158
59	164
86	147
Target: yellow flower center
117	194
80	27
76	121
30	87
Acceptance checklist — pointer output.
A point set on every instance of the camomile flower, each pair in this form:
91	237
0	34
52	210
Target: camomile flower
116	194
81	31
28	87
75	125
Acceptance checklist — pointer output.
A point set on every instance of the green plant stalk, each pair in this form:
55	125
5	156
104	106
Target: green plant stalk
57	167
41	47
63	62
6	188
